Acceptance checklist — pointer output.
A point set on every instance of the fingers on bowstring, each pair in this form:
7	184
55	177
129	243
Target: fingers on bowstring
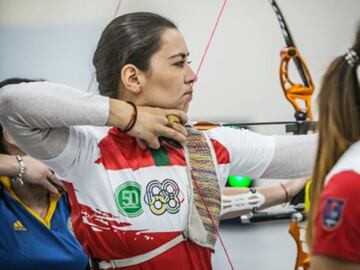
181	115
180	128
173	134
153	142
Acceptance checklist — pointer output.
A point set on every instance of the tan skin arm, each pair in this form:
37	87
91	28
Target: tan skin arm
8	166
36	172
274	195
320	262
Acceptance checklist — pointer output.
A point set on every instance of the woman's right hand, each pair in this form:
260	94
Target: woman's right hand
151	123
38	173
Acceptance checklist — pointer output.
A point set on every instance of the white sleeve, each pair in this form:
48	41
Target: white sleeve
38	115
80	151
250	153
294	157
271	157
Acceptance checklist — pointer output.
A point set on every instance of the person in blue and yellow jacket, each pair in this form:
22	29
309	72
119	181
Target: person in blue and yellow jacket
35	231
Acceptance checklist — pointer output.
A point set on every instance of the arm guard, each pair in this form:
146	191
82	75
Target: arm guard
251	200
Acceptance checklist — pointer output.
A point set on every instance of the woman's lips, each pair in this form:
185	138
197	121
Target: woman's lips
190	92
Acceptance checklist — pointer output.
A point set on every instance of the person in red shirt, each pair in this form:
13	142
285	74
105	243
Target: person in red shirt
334	227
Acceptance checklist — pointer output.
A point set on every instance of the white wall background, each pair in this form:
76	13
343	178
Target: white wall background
55	40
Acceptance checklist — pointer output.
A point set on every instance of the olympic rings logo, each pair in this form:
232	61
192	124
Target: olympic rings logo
163	197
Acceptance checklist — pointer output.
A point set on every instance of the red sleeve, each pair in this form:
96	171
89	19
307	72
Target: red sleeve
337	225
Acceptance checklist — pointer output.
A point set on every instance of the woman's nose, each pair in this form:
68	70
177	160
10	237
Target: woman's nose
192	76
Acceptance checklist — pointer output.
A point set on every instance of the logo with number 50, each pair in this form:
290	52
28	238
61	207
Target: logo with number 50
128	199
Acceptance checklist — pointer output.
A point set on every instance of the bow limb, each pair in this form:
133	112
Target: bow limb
296	91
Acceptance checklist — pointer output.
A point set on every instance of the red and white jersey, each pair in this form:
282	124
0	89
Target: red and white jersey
337	230
127	201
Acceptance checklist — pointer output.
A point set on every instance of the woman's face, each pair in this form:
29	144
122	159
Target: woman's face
168	83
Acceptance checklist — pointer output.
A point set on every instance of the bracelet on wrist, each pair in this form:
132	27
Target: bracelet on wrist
286	192
133	118
19	177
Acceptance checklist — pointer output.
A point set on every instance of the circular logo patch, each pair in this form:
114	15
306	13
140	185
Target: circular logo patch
128	199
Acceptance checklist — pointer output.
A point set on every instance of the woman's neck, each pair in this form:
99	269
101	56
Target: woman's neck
31	195
34	197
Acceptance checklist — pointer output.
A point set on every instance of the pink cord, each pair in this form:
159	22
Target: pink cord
197	76
93	74
211	38
117	9
213	223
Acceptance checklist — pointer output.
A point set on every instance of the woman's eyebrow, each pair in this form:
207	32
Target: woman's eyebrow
182	55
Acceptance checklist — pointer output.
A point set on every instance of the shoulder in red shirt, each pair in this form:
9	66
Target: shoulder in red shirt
337	229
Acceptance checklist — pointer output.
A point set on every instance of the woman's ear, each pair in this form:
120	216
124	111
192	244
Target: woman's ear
132	78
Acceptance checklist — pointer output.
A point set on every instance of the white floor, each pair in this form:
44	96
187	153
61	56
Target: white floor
257	246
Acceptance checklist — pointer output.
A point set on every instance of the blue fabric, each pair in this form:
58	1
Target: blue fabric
33	245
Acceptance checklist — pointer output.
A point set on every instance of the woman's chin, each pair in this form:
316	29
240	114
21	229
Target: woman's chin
186	107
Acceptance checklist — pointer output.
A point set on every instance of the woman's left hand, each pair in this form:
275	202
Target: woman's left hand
39	173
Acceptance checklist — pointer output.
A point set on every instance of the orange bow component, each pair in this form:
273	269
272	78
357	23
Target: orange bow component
295	91
302	258
202	125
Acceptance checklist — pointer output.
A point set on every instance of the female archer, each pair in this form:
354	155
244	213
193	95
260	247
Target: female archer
135	208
